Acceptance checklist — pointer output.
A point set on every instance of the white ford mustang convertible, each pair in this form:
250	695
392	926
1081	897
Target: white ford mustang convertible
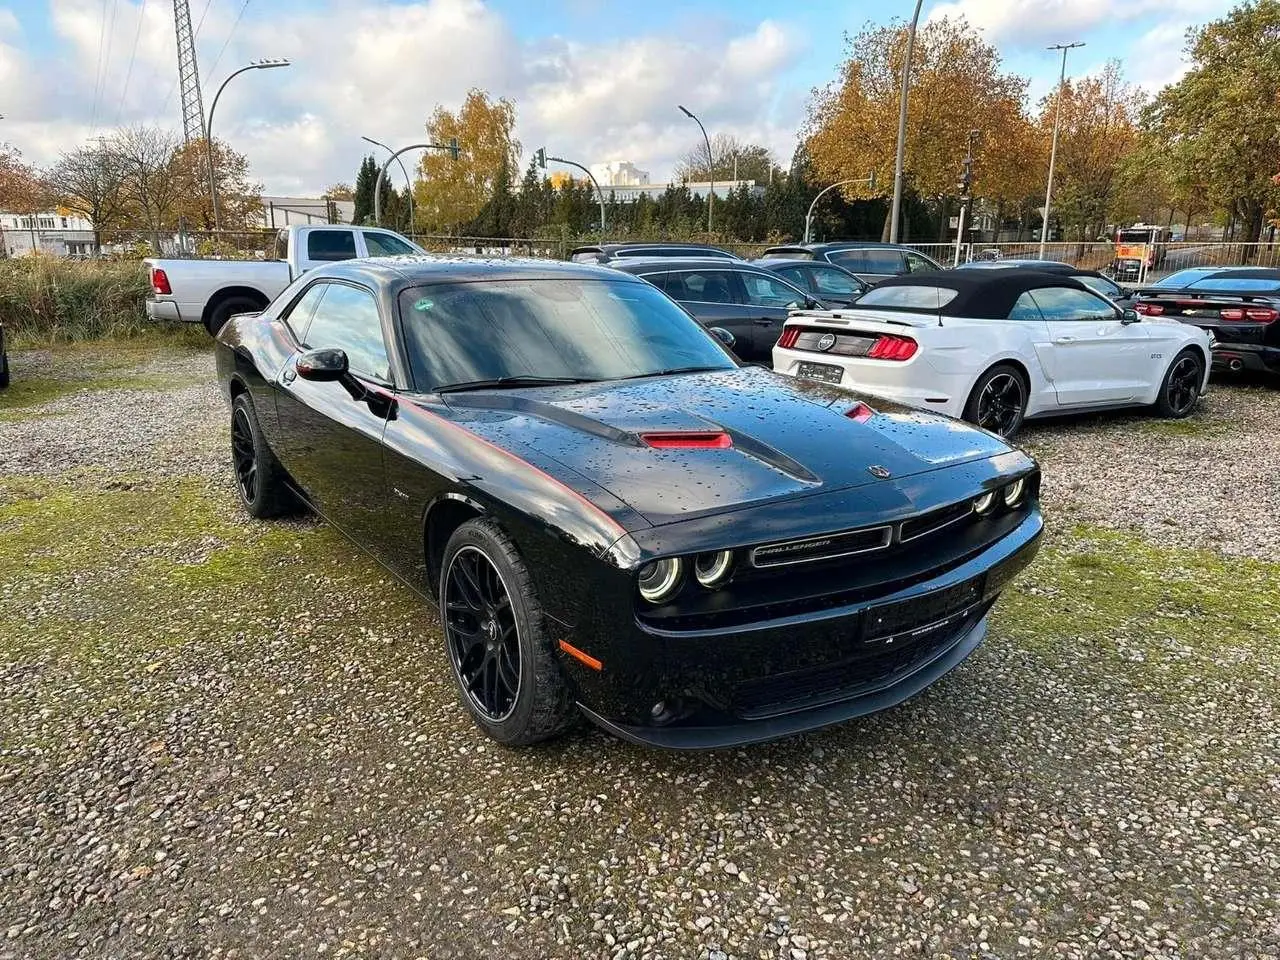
998	347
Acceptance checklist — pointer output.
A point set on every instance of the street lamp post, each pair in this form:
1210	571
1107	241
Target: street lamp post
408	179
208	127
1053	151
711	163
808	217
451	146
896	207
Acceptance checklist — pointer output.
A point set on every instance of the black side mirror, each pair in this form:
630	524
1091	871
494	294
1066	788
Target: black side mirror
723	335
1129	316
322	366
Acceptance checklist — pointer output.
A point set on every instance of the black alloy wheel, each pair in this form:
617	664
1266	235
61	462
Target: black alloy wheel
260	480
484	641
1181	387
243	456
998	402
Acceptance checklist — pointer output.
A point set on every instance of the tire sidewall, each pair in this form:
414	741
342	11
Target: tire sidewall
226	310
529	627
1163	406
971	405
243	403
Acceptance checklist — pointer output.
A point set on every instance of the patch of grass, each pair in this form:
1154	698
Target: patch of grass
51	300
1195	426
23	394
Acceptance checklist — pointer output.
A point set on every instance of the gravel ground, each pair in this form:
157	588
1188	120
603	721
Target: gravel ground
223	738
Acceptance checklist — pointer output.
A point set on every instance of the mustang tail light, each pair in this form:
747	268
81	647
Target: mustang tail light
789	337
689	440
1262	314
160	281
893	347
1149	309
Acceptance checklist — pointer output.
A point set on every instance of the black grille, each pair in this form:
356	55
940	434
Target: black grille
824	547
935	520
844	345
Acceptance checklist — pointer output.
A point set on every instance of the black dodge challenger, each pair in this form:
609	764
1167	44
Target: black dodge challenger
613	515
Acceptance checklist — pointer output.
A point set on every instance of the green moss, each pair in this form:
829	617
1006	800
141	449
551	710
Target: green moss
24	394
1197	426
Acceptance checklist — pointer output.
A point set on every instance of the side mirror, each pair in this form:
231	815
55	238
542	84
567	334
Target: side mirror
322	366
723	335
1129	316
812	304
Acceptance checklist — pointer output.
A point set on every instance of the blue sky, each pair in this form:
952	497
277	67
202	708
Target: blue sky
592	79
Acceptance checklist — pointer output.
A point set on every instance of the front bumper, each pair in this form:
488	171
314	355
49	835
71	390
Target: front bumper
763	680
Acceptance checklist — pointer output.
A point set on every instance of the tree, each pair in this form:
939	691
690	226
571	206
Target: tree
754	162
22	188
365	180
92	182
153	184
340	191
957	85
239	202
1223	116
453	192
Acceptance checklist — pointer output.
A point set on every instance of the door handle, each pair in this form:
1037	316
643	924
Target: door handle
763	322
1062	340
289	375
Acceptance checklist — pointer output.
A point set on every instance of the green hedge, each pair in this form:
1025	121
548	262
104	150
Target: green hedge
50	300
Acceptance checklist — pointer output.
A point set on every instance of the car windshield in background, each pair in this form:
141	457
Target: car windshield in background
907	298
1238	284
550	330
1184	277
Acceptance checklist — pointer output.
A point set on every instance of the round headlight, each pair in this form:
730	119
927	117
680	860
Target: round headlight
1014	492
712	569
659	579
984	503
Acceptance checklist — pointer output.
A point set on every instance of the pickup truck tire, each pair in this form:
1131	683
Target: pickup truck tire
260	480
228	308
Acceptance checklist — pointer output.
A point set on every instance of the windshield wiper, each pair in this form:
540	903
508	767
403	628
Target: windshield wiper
500	382
672	370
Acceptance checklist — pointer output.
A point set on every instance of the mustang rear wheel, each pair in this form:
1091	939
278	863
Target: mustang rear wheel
999	401
1181	387
495	638
259	476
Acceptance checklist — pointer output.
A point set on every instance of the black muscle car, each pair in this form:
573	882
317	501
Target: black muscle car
613	515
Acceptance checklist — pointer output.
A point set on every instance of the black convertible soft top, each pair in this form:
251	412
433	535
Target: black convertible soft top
980	294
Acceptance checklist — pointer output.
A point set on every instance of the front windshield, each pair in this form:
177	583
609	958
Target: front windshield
548	330
1184	277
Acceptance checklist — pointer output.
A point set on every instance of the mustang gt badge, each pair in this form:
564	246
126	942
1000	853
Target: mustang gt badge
879	472
826	341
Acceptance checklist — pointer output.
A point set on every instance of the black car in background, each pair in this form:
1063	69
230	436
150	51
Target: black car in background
751	303
614	518
1093	279
832	285
608	252
868	261
1239	305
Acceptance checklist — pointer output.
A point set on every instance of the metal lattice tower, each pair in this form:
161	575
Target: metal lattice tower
188	74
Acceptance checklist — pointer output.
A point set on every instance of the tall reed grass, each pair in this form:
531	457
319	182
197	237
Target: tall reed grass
50	300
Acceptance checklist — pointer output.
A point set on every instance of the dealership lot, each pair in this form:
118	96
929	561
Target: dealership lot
220	735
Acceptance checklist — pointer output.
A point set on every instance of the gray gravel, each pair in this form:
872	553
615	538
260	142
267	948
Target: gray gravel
222	738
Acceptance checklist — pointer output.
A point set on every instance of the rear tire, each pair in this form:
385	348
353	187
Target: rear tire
1180	389
227	309
260	480
496	640
998	401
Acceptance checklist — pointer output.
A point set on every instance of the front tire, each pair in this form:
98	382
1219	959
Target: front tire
259	477
1180	390
998	401
496	640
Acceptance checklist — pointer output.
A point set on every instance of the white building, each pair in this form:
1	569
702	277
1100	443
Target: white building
722	189
283	211
58	233
619	173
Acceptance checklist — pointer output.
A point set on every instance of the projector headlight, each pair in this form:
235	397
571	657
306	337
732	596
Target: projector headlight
1015	492
712	569
660	579
985	503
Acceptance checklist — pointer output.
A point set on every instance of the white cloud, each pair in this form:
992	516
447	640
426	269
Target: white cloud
361	67
1035	22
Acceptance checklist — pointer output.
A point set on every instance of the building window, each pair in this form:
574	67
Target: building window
64	223
47	223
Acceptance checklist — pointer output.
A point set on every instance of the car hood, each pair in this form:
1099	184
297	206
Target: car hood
790	438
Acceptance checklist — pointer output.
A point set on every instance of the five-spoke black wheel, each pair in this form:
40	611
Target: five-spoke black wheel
496	638
1181	388
260	479
998	401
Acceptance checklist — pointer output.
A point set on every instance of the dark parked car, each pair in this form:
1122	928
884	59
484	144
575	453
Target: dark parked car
1240	306
1094	280
869	262
608	252
614	517
751	303
4	361
832	285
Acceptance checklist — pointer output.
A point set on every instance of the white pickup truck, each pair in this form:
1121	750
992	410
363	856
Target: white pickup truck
212	291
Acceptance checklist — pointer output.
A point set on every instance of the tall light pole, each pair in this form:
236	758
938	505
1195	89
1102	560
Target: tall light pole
451	146
408	179
711	163
808	217
541	158
208	127
896	207
1053	151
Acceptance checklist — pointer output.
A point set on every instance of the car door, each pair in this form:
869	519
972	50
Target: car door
714	296
332	431
770	300
870	264
380	243
1092	355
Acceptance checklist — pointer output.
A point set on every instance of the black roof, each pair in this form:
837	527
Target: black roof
408	270
981	294
653	264
838	245
612	249
1049	266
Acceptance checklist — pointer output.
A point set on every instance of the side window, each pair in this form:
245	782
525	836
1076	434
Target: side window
1101	285
348	320
917	263
705	286
386	245
1024	308
281	251
299	316
1065	303
331	245
871	260
659	280
835	282
765	291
